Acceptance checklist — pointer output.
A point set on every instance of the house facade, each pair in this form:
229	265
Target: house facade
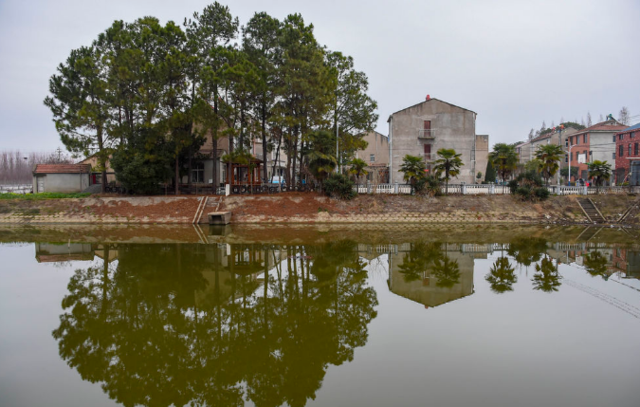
593	143
627	154
424	128
65	178
376	155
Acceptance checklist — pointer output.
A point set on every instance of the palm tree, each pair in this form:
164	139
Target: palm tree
358	168
600	170
549	156
321	155
546	278
504	158
596	264
413	168
501	276
449	163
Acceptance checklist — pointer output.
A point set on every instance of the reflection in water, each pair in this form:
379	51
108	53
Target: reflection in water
223	324
501	276
215	324
546	278
431	273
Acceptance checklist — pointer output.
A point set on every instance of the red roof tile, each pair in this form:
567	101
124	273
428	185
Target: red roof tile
62	169
602	126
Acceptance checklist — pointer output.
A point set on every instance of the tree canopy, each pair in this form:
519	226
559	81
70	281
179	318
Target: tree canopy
151	95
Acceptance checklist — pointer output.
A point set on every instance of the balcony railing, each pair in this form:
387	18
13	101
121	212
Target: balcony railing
427	134
429	156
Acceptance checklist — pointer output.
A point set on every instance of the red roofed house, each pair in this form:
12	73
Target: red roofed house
593	143
61	177
628	156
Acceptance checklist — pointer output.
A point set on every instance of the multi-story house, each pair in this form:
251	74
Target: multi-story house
591	144
627	155
424	128
527	150
376	155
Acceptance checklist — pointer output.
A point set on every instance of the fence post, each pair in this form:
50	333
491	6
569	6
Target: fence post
492	189
585	191
368	187
227	190
463	188
395	188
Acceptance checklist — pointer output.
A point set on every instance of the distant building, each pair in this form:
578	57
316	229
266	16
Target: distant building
424	128
61	177
591	144
376	155
627	160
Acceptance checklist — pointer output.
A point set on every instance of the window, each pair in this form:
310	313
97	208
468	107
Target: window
635	150
620	136
426	128
613	155
372	157
632	134
566	158
571	156
620	150
590	156
584	139
629	150
614	138
197	172
427	151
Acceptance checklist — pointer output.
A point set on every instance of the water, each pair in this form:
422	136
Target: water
353	316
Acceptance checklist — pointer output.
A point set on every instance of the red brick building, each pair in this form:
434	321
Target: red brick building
593	143
628	155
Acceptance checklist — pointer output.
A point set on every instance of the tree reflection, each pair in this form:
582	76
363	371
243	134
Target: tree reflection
208	325
546	278
501	276
419	259
596	264
527	251
446	271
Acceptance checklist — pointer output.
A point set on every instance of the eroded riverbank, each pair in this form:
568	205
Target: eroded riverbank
311	208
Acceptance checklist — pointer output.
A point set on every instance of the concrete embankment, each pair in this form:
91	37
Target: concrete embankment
312	208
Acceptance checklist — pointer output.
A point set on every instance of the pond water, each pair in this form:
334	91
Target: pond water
408	317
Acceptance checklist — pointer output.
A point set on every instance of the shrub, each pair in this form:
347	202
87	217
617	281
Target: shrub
529	187
339	186
428	185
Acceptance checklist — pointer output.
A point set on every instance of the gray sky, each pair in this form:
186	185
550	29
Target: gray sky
515	63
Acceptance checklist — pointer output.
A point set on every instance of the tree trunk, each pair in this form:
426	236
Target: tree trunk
101	160
214	168
177	190
264	144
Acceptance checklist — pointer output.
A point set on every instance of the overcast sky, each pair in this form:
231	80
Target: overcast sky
515	63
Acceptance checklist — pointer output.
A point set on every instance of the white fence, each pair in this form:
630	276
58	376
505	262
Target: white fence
492	189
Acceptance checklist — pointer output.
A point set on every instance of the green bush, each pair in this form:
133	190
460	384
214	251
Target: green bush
339	186
542	193
428	185
529	187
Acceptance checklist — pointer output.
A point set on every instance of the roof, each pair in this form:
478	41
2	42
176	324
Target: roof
62	169
602	126
634	127
427	101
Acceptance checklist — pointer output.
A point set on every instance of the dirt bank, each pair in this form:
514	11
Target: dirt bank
311	208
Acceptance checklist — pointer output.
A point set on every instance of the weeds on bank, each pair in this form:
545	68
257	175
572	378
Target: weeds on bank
44	195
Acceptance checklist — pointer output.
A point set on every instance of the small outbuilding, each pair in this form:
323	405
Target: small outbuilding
61	177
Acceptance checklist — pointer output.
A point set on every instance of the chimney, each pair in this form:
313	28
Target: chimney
428	97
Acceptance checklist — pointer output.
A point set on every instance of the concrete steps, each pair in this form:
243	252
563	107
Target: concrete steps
590	209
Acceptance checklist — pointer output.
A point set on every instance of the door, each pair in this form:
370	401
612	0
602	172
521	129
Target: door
634	176
427	152
40	185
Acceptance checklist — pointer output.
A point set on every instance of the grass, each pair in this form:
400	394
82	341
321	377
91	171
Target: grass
44	195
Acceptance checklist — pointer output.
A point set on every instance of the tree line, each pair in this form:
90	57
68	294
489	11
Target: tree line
145	96
17	167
